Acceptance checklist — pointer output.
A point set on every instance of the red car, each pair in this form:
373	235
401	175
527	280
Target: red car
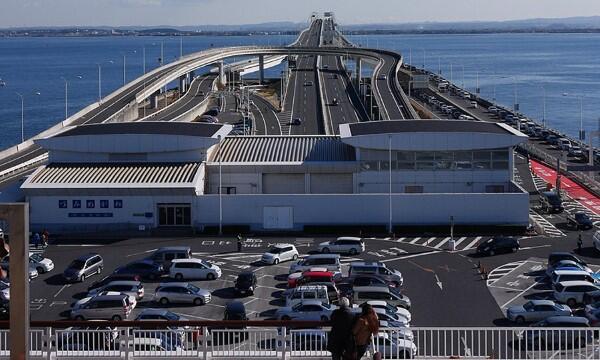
310	276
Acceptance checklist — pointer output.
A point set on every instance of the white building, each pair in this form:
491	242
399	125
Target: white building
148	175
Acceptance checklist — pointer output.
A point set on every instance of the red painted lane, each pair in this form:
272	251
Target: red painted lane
575	191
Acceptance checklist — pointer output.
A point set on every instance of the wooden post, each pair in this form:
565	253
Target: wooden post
17	216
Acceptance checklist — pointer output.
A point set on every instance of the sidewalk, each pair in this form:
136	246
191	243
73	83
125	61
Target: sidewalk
575	191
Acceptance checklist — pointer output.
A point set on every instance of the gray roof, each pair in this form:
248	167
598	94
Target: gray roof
261	149
145	127
116	173
401	126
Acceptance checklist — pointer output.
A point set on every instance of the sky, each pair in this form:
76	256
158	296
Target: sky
16	13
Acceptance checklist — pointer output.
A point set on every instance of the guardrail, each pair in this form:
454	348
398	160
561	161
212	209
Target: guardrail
23	167
296	340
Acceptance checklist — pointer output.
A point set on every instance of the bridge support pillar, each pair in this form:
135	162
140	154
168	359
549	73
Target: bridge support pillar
261	69
154	99
358	76
222	79
182	84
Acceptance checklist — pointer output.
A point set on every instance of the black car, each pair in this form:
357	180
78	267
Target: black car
245	283
557	256
114	277
551	202
580	220
497	245
147	269
235	310
369	280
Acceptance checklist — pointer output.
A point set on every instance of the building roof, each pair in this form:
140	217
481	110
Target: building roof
274	149
145	127
86	174
402	126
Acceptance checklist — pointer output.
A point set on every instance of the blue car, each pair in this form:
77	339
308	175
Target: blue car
146	269
567	265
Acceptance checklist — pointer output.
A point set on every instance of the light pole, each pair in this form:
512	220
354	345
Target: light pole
543	106
390	226
124	69
99	83
516	102
22	116
66	96
220	189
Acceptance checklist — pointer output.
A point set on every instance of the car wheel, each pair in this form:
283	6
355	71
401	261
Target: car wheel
353	251
82	278
295	257
520	320
571	303
117	318
276	261
210	276
40	270
198	301
79	318
325	250
179	276
164	301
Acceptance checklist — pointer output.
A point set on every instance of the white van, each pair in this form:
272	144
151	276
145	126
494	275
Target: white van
329	261
307	292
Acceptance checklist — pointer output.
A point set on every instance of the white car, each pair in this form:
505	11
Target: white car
571	292
350	245
193	269
400	333
280	252
400	311
310	310
391	346
131	288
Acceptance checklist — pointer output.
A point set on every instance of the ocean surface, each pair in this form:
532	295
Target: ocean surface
566	67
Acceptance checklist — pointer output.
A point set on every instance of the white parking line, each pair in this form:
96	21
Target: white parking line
401	239
518	295
460	240
61	289
429	240
472	243
441	243
415	240
411	256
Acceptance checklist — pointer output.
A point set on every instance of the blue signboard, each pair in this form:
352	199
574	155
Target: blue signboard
88	215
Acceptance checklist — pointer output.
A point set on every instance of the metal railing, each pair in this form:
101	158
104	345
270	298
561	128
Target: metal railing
233	340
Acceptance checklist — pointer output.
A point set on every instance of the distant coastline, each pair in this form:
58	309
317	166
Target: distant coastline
83	32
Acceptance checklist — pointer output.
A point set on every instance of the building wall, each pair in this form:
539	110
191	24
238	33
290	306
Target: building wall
408	209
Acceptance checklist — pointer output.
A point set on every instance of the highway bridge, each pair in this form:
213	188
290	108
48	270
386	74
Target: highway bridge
309	92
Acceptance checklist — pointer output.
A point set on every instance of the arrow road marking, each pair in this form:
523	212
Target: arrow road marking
437	279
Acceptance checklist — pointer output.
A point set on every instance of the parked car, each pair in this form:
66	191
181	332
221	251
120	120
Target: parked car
113	277
182	292
572	275
391	346
393	319
306	292
131	299
567	265
245	283
106	307
563	336
558	256
390	295
309	276
575	151
165	255
32	271
579	221
571	292
36	261
370	280
131	288
358	268
350	245
596	240
307	310
280	252
296	121
331	262
193	269
159	314
498	245
88	338
147	269
536	310
390	308
83	267
235	310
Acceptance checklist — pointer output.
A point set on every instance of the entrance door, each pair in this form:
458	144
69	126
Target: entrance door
278	217
174	215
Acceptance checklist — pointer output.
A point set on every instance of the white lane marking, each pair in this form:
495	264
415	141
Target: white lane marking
401	239
437	280
441	243
429	240
519	294
415	240
535	247
61	289
411	256
472	243
79	245
460	240
141	253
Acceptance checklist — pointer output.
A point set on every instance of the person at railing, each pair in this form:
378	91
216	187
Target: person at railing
341	325
366	325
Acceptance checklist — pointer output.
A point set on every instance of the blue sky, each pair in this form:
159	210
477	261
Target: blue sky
196	12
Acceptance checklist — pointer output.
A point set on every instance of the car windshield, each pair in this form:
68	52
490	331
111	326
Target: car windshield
206	263
171	316
77	264
36	257
553	199
528	306
193	288
581	217
244	277
274	250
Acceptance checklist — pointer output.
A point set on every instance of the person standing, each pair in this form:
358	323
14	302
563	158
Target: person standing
579	243
364	328
239	242
341	331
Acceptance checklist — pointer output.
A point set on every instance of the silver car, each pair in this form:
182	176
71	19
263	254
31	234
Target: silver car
536	310
131	288
349	245
308	310
36	262
184	292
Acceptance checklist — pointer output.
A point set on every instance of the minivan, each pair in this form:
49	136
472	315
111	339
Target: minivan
559	276
83	267
551	202
104	307
375	268
329	261
361	294
571	292
307	292
165	255
349	245
193	269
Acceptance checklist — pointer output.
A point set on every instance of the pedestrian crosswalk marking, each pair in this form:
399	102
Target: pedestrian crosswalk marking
401	239
415	240
439	245
460	241
472	243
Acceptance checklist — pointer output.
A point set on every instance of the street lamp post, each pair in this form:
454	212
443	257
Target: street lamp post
543	106
220	190
99	82
124	69
22	116
66	96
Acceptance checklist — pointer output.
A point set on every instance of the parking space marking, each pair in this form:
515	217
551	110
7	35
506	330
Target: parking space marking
412	256
415	240
401	239
460	241
519	294
503	270
61	289
141	253
472	243
429	240
439	245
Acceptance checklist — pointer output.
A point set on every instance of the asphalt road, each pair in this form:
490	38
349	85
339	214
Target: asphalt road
265	118
199	89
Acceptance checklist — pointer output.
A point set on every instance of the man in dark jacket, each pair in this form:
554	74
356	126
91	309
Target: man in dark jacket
341	331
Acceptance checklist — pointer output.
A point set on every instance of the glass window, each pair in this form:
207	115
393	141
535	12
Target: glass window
500	165
405	156
500	155
413	189
104	204
90	204
118	204
425	156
